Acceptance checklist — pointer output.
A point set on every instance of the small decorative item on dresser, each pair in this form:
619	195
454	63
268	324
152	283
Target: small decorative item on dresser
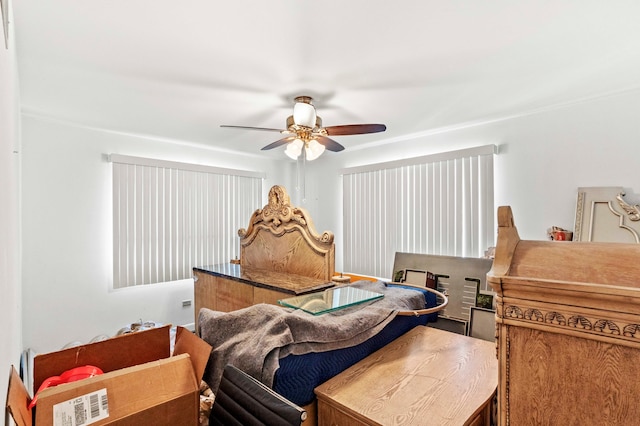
556	233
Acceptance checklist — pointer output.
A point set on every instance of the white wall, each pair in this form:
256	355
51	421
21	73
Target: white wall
543	158
67	225
10	300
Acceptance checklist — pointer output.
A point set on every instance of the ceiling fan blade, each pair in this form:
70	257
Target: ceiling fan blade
268	129
329	144
355	129
278	143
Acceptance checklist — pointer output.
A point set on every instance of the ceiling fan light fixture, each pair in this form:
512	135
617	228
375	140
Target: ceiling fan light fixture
294	149
304	114
313	150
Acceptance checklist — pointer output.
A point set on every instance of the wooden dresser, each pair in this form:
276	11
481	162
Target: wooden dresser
425	377
568	328
228	287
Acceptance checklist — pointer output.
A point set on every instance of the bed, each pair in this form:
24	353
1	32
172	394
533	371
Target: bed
281	245
293	351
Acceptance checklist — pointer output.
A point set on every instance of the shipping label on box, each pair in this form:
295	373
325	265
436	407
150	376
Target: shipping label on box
83	410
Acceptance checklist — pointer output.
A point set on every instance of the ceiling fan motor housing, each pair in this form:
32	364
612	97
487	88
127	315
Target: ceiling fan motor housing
291	122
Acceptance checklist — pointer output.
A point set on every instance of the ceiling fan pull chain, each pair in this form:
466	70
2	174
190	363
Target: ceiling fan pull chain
301	178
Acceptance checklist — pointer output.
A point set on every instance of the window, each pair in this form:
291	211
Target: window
438	204
169	217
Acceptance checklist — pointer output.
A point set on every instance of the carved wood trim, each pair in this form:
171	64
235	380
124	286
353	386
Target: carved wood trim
558	320
279	216
577	231
633	212
630	212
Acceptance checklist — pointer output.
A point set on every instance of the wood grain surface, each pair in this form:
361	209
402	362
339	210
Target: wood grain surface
426	377
564	380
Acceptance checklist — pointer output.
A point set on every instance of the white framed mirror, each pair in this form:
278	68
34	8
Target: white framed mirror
603	214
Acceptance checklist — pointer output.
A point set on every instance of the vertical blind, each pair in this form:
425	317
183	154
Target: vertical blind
169	217
439	204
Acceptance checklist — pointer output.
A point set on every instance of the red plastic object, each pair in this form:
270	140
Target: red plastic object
68	376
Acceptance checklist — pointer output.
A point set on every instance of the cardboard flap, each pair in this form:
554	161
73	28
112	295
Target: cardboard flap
109	355
18	400
198	350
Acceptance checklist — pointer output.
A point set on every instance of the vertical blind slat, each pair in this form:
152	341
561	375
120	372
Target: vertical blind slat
131	226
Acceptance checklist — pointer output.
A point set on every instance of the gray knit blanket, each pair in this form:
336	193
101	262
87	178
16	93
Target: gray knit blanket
255	338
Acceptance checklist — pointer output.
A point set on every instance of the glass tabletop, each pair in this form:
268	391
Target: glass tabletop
330	299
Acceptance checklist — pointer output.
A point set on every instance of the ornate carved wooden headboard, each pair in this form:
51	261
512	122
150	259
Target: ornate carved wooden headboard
282	238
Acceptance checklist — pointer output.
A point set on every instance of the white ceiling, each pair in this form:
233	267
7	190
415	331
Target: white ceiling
179	69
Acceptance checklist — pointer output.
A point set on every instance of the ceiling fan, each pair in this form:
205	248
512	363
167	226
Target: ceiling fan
305	132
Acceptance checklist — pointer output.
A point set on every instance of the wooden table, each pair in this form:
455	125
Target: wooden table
426	377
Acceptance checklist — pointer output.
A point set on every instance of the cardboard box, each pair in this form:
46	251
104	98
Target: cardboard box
141	384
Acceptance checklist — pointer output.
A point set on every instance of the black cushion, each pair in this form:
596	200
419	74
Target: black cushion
244	401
